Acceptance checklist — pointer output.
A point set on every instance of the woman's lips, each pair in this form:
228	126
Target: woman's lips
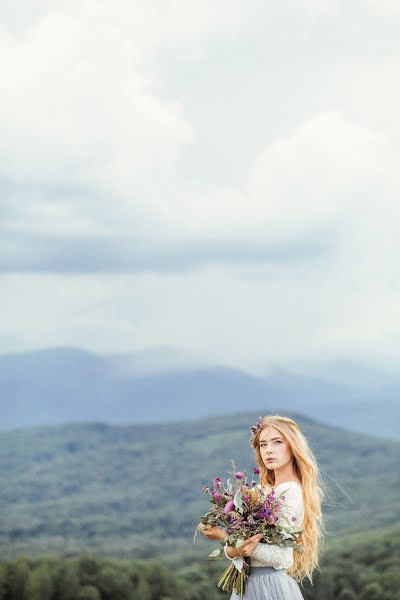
270	459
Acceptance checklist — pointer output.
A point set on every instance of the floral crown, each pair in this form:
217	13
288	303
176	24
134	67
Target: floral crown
261	424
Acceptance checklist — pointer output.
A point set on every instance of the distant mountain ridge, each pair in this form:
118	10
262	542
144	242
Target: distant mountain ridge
70	385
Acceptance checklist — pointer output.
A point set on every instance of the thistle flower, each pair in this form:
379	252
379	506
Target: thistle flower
229	506
256	470
216	496
239	475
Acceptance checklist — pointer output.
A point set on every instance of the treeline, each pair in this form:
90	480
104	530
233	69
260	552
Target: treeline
89	578
360	566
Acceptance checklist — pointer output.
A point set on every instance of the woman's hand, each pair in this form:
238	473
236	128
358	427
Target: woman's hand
245	549
212	533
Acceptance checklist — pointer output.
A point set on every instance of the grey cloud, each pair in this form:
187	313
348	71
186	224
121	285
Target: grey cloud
97	254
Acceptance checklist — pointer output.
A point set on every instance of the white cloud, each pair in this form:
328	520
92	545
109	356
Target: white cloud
79	106
322	172
74	106
326	170
384	7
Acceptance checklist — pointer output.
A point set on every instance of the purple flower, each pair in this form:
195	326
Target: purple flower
206	489
229	506
216	496
256	471
239	475
294	519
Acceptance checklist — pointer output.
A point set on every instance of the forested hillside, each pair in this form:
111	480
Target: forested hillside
135	491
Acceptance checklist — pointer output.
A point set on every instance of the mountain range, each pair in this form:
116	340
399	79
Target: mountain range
64	385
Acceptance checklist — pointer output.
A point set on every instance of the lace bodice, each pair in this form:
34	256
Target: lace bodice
270	555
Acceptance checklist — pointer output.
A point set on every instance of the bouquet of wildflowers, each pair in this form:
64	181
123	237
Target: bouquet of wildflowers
243	510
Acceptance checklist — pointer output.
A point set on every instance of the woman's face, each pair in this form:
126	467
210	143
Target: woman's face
274	446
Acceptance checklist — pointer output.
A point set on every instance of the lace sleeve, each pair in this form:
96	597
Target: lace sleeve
275	556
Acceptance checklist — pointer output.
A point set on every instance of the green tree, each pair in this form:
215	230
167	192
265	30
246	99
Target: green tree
347	594
162	583
89	592
88	570
17	576
372	591
114	584
67	583
142	589
138	576
3	582
40	585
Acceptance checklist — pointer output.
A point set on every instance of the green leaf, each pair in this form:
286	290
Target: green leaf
237	499
215	553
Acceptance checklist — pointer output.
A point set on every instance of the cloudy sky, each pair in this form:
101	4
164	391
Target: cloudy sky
216	176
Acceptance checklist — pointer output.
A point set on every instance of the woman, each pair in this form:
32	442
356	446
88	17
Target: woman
286	464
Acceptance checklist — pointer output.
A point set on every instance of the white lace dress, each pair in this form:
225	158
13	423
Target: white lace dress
275	556
269	580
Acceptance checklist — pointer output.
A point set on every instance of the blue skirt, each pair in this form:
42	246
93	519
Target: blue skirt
266	583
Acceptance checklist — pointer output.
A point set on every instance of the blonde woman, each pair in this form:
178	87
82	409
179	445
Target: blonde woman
286	464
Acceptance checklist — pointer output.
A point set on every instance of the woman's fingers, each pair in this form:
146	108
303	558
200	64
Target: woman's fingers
248	545
254	538
252	542
256	541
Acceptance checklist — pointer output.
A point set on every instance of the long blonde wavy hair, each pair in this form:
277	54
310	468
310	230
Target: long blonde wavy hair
306	468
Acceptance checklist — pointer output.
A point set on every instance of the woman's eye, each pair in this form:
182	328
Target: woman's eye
276	442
